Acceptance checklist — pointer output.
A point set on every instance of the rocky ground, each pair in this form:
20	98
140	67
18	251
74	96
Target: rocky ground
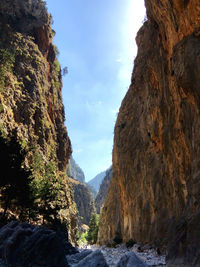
113	255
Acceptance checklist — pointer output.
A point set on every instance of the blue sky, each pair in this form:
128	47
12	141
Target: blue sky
96	41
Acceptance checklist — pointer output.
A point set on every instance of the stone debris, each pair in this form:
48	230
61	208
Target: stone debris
94	259
113	255
130	259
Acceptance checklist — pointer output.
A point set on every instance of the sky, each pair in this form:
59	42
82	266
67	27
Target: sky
96	41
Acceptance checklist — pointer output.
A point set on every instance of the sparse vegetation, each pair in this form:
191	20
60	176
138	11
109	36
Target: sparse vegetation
7	59
82	238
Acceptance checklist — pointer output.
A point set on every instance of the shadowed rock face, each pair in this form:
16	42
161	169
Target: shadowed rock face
103	190
84	202
31	93
28	245
156	153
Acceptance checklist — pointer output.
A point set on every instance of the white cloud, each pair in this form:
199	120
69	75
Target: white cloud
118	60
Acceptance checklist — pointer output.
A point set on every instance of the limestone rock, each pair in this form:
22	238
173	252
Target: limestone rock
183	249
103	190
74	171
94	259
31	99
130	259
76	258
84	202
156	154
27	245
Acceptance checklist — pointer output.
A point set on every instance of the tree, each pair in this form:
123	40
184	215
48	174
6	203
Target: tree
47	187
93	229
14	180
64	71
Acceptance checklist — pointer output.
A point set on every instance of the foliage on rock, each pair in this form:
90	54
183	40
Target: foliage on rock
31	102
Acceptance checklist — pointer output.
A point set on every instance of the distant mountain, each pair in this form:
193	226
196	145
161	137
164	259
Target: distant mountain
74	171
96	181
103	190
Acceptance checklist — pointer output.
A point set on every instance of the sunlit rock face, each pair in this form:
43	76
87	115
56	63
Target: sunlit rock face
156	155
31	96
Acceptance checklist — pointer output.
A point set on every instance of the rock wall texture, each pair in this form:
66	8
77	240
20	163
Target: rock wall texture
103	191
31	97
74	171
156	157
84	202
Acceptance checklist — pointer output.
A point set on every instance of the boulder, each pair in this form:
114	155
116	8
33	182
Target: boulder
94	259
76	258
130	259
22	244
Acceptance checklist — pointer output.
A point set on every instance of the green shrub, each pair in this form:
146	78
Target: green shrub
7	59
46	187
117	239
82	238
130	243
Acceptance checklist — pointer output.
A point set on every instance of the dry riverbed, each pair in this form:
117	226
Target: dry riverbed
113	255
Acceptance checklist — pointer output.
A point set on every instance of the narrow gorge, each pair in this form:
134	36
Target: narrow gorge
152	190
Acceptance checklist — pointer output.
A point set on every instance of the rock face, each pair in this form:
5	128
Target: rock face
103	190
156	155
84	202
31	99
74	171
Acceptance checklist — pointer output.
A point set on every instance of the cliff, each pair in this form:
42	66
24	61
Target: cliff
74	171
82	195
103	190
84	202
32	113
154	193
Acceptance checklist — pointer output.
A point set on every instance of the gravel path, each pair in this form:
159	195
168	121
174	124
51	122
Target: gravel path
113	255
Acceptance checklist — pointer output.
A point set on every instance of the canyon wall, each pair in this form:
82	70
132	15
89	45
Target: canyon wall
31	106
154	192
84	202
103	190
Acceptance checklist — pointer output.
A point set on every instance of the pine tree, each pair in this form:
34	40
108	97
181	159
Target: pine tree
93	229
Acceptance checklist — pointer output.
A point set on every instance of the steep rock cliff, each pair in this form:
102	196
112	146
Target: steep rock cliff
82	195
155	186
31	99
103	190
84	202
74	171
